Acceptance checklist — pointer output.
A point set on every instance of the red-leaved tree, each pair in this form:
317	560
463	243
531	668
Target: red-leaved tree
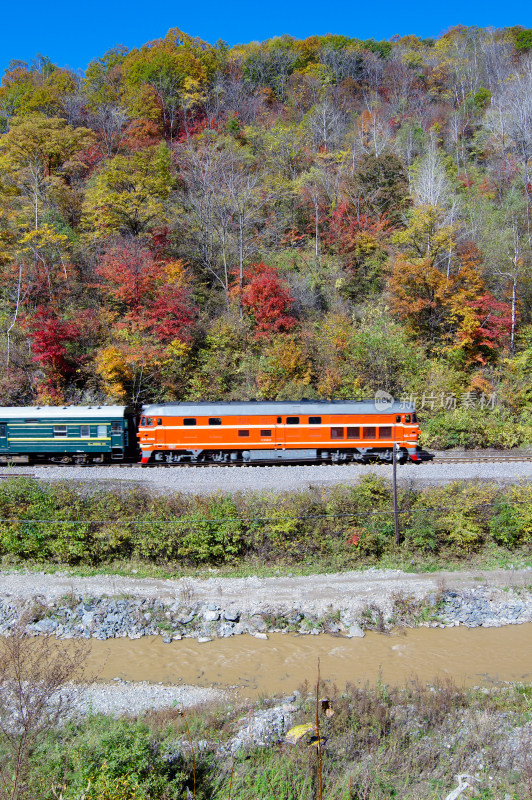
267	298
171	316
50	338
129	274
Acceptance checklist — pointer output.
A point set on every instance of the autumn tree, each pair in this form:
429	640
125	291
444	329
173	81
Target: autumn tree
267	300
380	186
35	155
169	78
52	338
129	194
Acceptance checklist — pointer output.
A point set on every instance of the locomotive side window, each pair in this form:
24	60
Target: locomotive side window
215	421
398	418
84	431
353	433
60	430
265	433
189	421
279	420
314	420
292	420
370	433
243	433
337	433
116	427
159	421
385	432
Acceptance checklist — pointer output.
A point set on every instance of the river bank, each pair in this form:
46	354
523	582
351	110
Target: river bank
346	604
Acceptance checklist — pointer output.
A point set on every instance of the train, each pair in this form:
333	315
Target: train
232	433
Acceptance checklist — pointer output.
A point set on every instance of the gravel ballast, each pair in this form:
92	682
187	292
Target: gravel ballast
208	480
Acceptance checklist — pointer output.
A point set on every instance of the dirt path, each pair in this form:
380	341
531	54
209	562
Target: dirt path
313	593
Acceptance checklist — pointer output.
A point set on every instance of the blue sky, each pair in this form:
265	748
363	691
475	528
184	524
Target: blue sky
71	33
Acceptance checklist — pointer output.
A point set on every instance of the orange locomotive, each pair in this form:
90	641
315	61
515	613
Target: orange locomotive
267	432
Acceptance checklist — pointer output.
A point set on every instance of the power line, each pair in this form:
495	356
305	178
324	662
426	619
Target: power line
247	520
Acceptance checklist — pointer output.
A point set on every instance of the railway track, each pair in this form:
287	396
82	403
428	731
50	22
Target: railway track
440	458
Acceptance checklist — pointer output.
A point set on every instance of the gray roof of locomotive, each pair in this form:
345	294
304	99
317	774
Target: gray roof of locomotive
273	408
63	412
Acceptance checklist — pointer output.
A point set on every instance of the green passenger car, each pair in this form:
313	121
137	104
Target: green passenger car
67	434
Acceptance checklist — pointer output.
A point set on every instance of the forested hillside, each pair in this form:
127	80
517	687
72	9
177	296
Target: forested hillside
294	218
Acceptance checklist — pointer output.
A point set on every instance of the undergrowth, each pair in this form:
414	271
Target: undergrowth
376	742
344	527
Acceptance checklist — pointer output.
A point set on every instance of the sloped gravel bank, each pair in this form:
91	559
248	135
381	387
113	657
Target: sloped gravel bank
107	606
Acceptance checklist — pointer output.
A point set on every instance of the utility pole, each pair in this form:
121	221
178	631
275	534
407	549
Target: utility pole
394	486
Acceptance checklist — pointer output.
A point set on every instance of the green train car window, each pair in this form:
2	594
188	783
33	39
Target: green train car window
84	431
3	431
60	431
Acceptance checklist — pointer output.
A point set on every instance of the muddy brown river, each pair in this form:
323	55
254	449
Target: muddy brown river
480	656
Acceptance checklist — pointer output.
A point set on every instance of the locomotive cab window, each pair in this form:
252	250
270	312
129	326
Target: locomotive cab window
414	418
385	432
84	431
243	433
370	433
60	431
337	433
143	420
353	433
189	421
398	418
149	421
159	421
314	420
407	418
215	421
292	420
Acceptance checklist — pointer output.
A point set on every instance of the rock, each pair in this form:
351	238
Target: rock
226	630
186	618
46	625
332	627
295	618
263	728
256	623
260	635
355	631
203	639
231	615
213	607
167	639
211	615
